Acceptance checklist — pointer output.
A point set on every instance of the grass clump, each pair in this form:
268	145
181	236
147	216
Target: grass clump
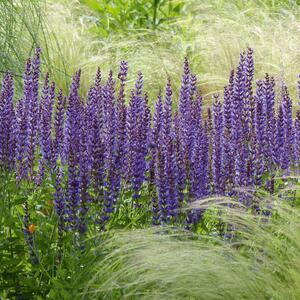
260	260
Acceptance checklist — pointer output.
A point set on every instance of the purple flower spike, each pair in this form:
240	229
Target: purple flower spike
217	145
269	95
155	134
279	147
72	142
84	172
260	132
7	123
181	167
185	113
227	159
288	130
249	104
297	140
59	126
136	130
46	124
24	137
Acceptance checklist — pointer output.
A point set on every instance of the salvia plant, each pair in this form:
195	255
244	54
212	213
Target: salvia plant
109	160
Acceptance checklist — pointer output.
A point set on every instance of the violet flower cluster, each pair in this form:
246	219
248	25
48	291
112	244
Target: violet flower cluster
102	147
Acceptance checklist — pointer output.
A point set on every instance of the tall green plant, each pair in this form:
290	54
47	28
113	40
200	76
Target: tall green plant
121	16
22	28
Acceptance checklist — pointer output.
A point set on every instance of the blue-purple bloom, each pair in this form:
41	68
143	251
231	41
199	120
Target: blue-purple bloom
102	146
7	125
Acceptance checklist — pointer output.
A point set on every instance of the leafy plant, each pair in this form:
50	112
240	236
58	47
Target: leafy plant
121	16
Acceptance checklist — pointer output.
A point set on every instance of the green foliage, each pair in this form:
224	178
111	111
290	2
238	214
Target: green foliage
22	28
120	16
19	28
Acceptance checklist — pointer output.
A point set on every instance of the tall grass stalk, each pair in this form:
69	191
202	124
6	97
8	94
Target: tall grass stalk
22	28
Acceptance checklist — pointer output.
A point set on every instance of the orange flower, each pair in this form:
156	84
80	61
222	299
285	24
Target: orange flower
31	228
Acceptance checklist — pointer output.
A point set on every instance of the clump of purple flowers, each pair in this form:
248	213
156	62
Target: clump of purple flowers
102	147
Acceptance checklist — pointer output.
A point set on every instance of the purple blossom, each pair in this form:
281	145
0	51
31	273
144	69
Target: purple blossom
227	158
161	182
186	133
21	136
280	136
269	94
260	131
84	171
136	138
7	123
288	129
46	124
181	166
166	145
199	166
172	202
248	101
24	136
104	146
155	134
297	139
217	145
59	126
72	142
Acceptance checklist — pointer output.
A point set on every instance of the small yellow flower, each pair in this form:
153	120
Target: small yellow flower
31	228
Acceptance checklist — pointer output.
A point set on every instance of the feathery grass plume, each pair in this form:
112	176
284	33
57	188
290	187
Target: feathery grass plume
226	27
260	260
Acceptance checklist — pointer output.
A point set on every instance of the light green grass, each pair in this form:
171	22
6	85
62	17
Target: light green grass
22	29
211	33
261	262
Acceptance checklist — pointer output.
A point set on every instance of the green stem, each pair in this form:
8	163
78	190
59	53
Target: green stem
155	6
